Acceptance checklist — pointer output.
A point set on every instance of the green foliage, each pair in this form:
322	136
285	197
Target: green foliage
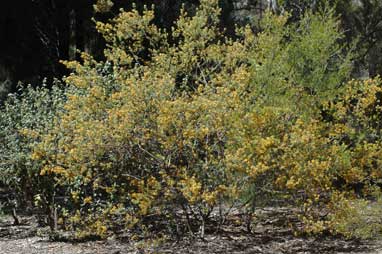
25	116
322	164
300	65
176	123
146	136
358	218
360	19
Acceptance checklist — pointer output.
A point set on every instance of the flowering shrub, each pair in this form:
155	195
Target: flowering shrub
144	134
176	123
24	118
322	164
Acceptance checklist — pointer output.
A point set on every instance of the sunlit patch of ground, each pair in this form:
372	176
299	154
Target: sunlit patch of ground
269	236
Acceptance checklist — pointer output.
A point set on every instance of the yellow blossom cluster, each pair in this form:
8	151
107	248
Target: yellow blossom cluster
145	134
186	119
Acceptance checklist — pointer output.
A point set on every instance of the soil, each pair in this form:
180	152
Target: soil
269	237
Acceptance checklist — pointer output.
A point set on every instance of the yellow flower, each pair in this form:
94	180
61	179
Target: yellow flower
88	200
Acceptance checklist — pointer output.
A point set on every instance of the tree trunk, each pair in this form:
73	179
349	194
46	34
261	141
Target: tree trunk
72	35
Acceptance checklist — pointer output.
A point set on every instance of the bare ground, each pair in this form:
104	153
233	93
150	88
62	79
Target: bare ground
268	237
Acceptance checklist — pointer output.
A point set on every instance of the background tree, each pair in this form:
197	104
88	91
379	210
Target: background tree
362	23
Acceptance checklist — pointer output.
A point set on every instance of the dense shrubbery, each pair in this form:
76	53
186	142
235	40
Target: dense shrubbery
24	118
177	123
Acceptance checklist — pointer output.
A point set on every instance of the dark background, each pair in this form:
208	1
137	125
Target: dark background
36	34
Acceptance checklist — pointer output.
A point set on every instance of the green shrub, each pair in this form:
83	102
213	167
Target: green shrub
24	117
145	135
175	123
298	66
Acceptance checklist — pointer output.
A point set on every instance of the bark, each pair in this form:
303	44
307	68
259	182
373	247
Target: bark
72	35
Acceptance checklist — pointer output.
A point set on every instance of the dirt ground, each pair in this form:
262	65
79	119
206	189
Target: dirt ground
268	238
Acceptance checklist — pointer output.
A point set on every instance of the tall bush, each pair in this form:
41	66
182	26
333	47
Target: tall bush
176	123
145	135
24	118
